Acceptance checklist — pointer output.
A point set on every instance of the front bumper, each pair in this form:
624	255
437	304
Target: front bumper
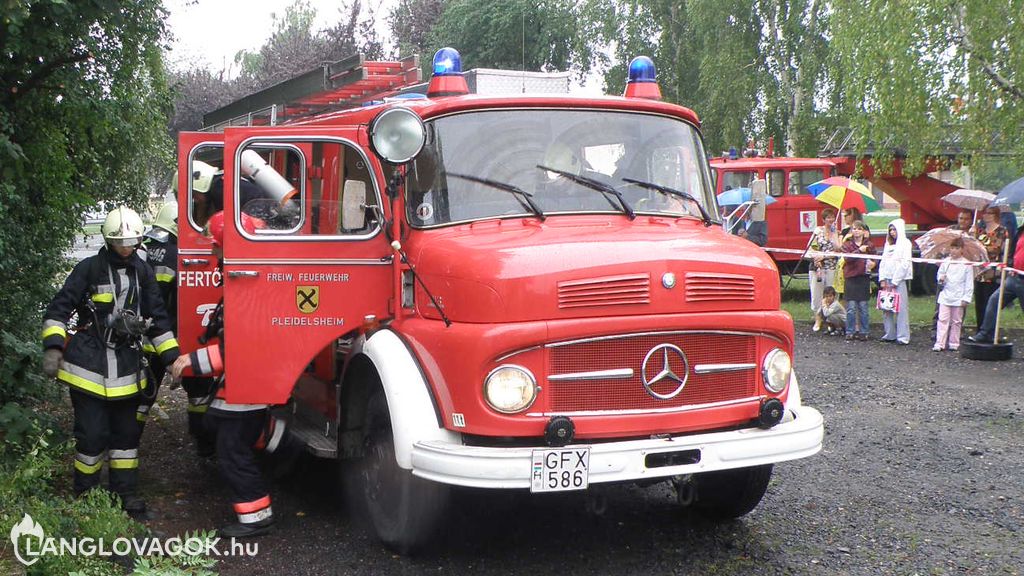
799	435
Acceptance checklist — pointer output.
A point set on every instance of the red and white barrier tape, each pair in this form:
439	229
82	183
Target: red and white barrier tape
811	254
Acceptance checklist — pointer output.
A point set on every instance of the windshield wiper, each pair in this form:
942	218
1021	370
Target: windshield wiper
605	189
524	197
673	192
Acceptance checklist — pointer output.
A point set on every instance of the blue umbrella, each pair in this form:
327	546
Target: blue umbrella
738	196
1012	193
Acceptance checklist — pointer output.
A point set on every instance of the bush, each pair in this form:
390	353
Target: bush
34	468
27	486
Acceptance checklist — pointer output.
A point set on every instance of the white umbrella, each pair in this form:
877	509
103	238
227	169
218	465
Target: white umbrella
969	199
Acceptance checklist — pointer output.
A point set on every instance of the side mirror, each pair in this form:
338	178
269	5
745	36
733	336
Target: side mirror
353	205
758	191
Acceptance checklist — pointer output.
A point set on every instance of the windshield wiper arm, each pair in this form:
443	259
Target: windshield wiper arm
673	192
605	189
524	197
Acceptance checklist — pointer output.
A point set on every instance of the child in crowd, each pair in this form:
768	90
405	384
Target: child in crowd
857	281
895	270
831	313
956	276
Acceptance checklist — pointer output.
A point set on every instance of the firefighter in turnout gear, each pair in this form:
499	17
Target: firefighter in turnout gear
240	429
161	247
118	303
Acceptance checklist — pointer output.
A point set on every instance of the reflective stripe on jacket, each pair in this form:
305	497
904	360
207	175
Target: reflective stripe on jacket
94	361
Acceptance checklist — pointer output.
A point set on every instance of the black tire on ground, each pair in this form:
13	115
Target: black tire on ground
729	494
405	511
924	282
976	351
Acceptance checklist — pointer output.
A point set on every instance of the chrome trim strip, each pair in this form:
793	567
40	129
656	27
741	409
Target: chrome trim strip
517	352
716	368
195	251
665	333
638	411
618	373
385	261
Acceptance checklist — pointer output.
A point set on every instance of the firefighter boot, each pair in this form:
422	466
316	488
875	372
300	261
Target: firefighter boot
134	505
247	530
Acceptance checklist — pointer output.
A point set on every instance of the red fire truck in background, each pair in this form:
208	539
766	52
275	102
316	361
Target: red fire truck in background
795	213
517	292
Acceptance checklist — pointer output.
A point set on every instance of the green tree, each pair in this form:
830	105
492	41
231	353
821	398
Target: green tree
294	47
411	22
923	73
749	69
83	110
534	35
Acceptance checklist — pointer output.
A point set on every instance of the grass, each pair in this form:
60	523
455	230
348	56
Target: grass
797	301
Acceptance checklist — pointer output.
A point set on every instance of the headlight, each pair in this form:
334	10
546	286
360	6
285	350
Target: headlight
776	370
510	389
397	135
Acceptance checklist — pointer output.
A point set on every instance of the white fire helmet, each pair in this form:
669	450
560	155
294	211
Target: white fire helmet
167	217
123	227
202	176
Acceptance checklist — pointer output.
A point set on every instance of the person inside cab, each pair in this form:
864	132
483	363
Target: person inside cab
118	302
743	225
203	176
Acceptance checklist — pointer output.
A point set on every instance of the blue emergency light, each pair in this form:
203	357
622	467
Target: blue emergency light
641	69
447	79
643	79
447	62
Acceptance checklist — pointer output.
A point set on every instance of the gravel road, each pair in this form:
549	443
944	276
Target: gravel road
922	473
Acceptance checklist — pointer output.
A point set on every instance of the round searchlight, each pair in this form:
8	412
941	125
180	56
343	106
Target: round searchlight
397	135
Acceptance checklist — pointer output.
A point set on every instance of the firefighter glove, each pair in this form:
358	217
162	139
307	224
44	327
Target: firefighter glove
52	358
170	381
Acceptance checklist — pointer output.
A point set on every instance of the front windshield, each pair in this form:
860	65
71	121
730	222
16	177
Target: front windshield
471	161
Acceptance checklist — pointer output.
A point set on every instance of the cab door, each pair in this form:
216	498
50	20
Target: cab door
298	274
198	275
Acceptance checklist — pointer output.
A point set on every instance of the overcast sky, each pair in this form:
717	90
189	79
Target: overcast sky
208	33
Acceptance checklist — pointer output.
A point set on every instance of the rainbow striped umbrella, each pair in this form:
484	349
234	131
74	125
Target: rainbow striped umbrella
842	193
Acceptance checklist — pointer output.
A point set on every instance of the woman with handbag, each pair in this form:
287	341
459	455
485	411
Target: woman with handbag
894	271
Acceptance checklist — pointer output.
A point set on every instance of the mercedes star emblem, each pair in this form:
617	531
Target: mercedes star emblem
660	359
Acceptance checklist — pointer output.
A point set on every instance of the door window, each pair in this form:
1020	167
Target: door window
205	166
799	180
733	180
298	190
776	182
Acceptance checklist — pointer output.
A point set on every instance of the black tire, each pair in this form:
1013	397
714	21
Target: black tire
924	282
405	511
729	494
989	352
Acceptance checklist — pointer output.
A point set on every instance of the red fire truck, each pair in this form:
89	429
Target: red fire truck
795	213
521	292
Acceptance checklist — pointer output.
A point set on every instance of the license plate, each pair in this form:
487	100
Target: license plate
560	469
